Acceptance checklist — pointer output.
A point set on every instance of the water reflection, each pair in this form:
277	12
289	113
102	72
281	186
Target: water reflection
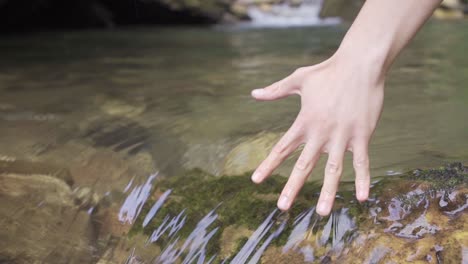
135	201
249	247
194	247
175	225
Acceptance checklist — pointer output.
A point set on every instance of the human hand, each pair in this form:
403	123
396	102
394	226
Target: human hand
341	102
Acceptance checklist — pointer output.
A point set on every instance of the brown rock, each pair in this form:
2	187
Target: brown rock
249	154
41	223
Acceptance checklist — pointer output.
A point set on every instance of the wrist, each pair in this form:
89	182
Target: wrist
370	61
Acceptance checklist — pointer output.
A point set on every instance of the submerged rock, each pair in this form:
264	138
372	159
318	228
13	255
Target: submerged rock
195	216
418	216
40	222
249	153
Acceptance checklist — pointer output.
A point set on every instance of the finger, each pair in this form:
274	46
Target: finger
361	168
285	146
278	90
301	171
331	179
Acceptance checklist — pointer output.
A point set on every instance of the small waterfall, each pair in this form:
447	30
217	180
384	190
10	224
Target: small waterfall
285	15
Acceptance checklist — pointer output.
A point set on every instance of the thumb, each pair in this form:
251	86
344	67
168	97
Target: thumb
275	91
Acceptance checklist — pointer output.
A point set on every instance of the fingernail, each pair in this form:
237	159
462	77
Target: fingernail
257	92
362	195
321	207
283	202
256	177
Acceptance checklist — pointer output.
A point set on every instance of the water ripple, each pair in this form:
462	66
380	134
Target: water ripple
135	200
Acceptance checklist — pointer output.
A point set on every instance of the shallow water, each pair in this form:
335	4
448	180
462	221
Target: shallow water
114	107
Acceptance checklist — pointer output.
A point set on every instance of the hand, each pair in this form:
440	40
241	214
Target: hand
341	102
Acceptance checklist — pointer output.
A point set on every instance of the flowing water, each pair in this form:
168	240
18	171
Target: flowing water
113	111
283	15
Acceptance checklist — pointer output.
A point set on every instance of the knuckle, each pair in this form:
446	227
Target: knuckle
276	87
361	162
297	128
362	180
327	193
279	149
299	70
333	167
302	164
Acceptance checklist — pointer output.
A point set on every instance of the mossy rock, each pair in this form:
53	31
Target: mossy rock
414	216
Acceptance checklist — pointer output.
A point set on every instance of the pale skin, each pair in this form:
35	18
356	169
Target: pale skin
341	100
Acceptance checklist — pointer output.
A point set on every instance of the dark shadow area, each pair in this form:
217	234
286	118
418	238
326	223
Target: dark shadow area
34	15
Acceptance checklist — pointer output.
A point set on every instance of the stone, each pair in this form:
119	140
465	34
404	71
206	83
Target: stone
239	11
451	9
122	109
23	167
41	222
265	7
418	216
248	154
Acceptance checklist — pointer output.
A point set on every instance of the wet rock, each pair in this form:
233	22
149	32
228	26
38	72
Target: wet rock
86	198
208	156
101	152
120	134
41	222
239	11
235	220
265	7
247	155
451	9
125	251
10	165
120	108
26	139
232	239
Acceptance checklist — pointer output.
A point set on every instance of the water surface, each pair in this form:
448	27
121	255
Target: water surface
114	107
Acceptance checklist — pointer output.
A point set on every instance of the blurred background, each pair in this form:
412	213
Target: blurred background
32	15
98	98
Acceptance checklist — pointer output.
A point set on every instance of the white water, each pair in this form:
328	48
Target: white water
307	14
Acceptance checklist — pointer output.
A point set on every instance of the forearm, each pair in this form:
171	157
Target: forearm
382	29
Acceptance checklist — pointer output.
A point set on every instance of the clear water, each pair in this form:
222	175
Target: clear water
114	107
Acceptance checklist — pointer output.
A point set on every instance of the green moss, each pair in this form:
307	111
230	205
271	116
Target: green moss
454	174
240	243
237	200
240	203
